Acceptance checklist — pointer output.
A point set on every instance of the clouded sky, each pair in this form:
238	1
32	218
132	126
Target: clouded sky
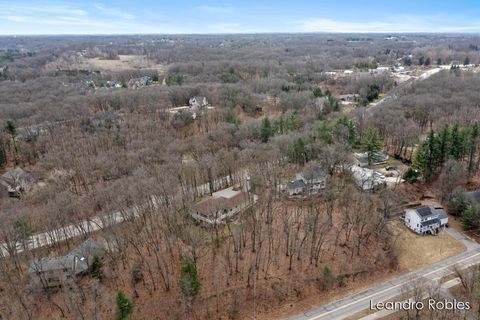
247	16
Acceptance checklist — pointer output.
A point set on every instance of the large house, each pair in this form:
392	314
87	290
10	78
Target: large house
16	181
222	206
309	182
62	271
426	219
367	179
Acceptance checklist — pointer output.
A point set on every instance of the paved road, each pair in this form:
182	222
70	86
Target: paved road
98	222
355	303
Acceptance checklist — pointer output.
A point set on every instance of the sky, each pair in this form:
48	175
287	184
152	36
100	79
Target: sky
35	17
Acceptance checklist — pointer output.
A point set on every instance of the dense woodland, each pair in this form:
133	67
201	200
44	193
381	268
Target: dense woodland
95	150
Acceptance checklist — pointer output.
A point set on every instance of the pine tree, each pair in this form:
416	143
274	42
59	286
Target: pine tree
298	152
12	130
372	145
432	153
124	305
470	217
457	143
350	125
3	153
189	282
420	159
472	146
444	143
266	130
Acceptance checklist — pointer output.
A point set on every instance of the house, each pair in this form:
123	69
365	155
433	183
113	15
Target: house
197	102
222	206
367	179
139	82
295	187
17	181
309	182
426	219
377	158
57	272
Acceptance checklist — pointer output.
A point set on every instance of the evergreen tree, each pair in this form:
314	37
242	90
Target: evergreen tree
96	269
12	130
351	128
420	159
470	217
372	145
457	140
432	153
298	152
3	153
291	123
189	282
444	144
324	132
317	92
473	146
124	305
266	130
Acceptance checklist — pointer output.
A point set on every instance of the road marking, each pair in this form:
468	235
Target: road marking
389	288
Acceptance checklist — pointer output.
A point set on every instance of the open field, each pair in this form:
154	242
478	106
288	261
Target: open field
125	62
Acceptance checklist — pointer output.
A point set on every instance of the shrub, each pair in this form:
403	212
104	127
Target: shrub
124	305
96	269
457	203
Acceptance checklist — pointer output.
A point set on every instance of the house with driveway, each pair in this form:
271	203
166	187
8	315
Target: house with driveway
426	219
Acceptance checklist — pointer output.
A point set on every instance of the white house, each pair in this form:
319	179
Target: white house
425	219
197	102
367	179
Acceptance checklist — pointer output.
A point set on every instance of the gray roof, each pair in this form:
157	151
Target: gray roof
294	184
72	263
13	176
430	222
441	213
78	260
313	173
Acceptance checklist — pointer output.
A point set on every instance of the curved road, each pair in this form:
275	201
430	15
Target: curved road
357	302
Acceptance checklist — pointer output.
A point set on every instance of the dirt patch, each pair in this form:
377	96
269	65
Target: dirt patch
416	251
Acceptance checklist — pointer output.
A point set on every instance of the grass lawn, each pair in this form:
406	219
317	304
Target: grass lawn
416	251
